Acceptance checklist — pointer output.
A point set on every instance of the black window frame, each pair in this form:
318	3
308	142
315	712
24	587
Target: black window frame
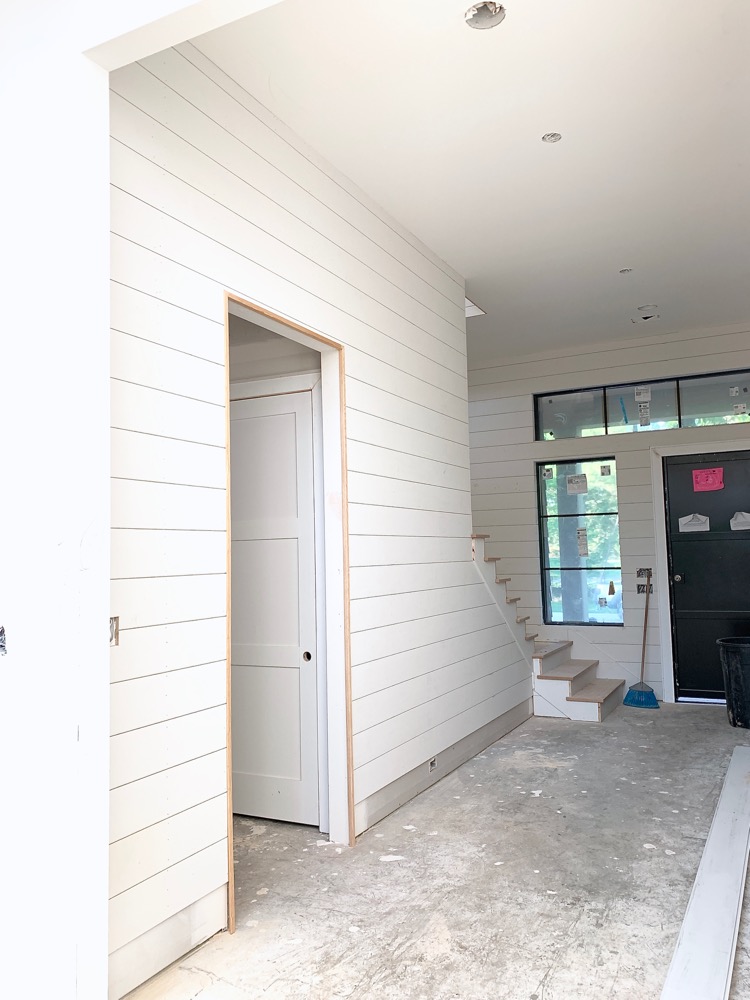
544	569
677	379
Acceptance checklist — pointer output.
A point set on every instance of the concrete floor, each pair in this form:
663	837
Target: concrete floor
554	866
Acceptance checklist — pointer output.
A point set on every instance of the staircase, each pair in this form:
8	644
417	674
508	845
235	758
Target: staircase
570	689
564	688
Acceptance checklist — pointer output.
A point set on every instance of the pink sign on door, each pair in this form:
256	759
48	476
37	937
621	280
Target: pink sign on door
708	480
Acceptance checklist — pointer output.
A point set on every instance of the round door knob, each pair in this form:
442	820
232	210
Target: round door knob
306	656
678	578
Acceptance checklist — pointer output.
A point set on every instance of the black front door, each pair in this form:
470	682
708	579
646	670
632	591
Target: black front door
709	563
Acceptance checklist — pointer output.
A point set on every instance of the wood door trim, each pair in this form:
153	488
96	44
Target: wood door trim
229	299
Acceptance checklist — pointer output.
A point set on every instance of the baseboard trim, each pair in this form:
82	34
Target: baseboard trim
378	805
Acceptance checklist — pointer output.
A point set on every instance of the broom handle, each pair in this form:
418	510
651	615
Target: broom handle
645	626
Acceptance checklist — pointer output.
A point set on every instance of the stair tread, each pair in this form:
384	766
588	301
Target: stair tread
530	638
523	619
492	558
512	600
597	691
547	648
502	579
567	671
480	536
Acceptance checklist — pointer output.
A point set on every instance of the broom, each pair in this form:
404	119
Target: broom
641	695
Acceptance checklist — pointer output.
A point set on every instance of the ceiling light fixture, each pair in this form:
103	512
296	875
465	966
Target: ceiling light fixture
485	15
551	137
471	309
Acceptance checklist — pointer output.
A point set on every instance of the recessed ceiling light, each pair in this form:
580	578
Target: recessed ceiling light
471	309
647	309
551	137
625	270
485	15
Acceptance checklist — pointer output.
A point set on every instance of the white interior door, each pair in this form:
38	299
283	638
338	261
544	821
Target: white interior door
274	685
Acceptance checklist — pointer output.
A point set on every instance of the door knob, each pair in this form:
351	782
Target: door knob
306	656
678	578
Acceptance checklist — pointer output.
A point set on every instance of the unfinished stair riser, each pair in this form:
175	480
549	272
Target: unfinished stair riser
570	688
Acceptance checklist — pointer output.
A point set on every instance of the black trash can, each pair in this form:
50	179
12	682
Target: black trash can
734	653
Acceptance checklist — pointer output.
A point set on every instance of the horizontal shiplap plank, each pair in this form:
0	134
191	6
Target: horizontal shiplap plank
410	694
399	729
392	639
416	381
390	671
365	519
379	772
156	748
620	363
159	648
134	859
390	464
142	362
382	491
151	411
374	550
158	277
151	902
377	581
165	460
406	411
376	612
382	432
145	701
134	311
158	505
161	600
167	553
142	803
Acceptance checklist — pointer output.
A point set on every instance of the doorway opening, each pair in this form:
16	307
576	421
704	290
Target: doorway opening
288	676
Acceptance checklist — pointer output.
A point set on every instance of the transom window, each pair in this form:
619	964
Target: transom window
580	542
664	404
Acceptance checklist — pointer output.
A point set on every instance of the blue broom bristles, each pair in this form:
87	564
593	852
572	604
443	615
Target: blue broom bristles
641	696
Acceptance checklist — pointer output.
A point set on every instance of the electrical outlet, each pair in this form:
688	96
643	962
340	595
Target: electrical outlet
642	588
114	631
644	572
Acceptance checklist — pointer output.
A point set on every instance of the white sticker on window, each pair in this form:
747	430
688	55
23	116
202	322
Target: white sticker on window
739	408
547	473
605	470
734	390
643	394
577	484
644	414
583	541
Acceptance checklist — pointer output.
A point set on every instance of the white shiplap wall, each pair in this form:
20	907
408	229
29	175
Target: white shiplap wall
211	193
503	454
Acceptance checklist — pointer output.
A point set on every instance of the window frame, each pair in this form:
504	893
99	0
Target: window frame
604	389
544	568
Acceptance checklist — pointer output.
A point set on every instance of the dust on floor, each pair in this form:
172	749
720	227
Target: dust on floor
556	865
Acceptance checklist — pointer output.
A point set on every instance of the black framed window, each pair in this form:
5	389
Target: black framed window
718	398
580	542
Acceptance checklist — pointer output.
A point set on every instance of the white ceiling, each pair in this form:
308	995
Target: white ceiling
442	126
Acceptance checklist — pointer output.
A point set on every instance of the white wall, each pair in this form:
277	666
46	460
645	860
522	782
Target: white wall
55	501
503	454
210	193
